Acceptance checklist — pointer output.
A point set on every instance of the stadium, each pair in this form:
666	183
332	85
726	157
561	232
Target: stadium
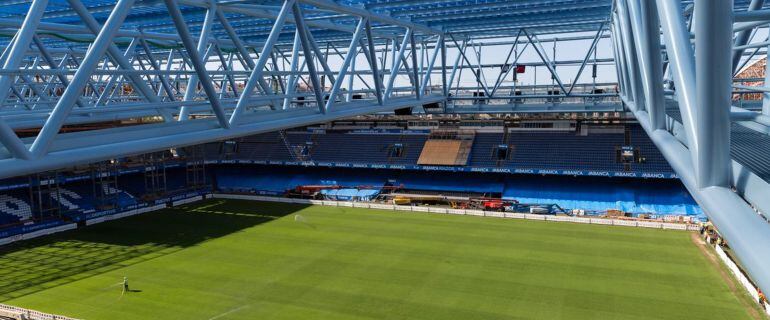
384	159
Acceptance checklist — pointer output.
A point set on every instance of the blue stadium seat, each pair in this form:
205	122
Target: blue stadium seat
14	206
533	150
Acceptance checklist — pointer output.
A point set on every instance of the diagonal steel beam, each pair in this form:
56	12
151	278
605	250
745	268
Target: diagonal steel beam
21	44
591	49
743	36
396	64
415	75
258	68
156	66
201	50
117	56
436	50
95	53
543	56
306	49
352	53
373	62
198	65
292	81
470	65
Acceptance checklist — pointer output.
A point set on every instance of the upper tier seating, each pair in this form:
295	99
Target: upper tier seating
653	159
534	150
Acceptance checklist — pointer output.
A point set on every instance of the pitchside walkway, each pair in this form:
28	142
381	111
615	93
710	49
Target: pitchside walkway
431	209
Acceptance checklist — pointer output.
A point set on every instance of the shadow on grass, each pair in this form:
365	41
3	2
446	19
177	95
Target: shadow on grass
38	264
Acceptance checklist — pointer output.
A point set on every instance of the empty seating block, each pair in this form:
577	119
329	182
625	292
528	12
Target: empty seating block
445	152
527	149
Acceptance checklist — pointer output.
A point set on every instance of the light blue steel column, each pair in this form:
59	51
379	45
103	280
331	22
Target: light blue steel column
628	89
682	66
713	41
646	27
634	65
619	62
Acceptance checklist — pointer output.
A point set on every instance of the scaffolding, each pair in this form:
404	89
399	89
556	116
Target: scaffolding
195	167
155	182
104	177
45	193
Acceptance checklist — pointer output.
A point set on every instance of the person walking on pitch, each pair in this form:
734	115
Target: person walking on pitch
125	284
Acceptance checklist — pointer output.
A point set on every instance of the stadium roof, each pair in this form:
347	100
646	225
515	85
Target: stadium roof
478	18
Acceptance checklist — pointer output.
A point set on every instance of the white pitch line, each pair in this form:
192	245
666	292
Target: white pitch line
229	312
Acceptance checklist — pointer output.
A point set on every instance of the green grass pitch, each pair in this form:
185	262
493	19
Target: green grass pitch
229	259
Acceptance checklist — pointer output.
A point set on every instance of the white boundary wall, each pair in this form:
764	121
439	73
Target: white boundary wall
125	214
750	288
26	314
70	226
38	233
614	222
186	201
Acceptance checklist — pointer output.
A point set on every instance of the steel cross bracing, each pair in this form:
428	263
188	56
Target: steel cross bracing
181	72
74	63
497	89
664	57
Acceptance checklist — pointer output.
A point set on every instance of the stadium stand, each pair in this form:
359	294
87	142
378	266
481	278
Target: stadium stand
14	207
448	148
332	162
362	147
443	152
589	150
266	146
536	150
653	161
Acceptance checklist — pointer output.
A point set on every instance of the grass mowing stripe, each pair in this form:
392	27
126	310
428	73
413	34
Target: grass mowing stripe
201	261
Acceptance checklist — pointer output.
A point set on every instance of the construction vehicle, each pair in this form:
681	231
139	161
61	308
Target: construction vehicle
309	191
400	200
491	204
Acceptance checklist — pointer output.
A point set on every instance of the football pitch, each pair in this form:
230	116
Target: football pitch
227	259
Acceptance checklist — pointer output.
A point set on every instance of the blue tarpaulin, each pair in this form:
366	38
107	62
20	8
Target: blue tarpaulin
655	196
350	194
598	195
